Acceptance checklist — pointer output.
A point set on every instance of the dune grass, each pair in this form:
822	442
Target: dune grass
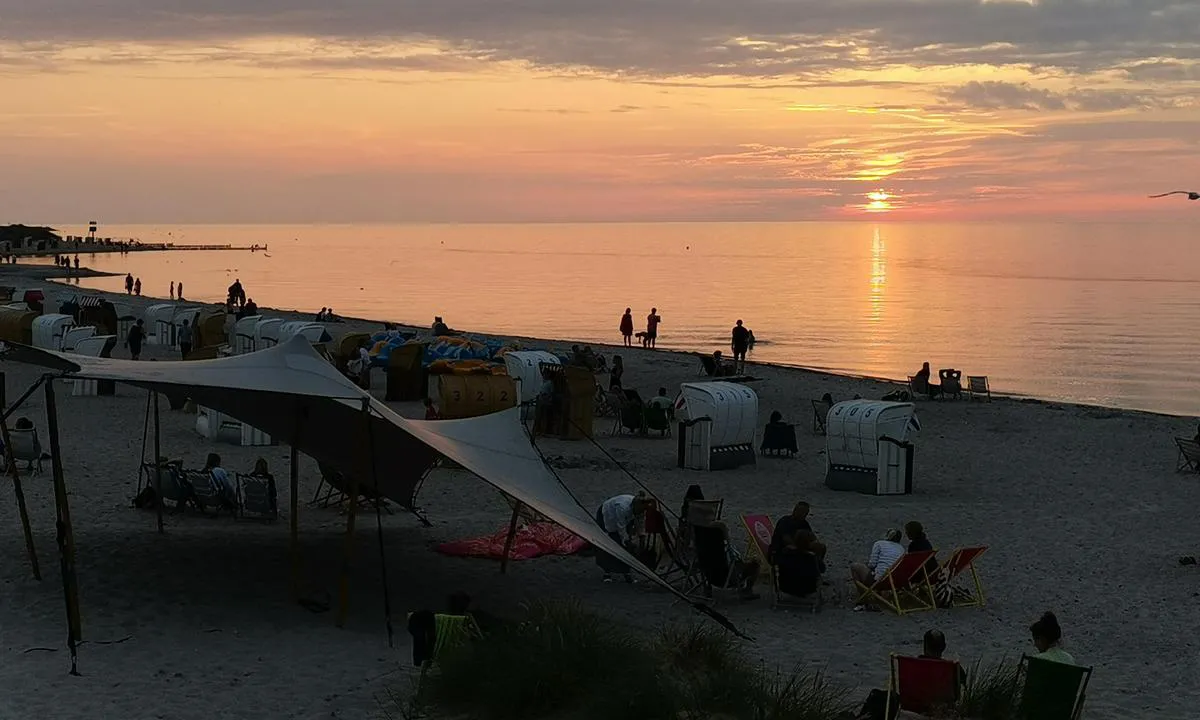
561	661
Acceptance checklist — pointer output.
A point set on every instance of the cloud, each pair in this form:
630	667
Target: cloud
996	95
749	38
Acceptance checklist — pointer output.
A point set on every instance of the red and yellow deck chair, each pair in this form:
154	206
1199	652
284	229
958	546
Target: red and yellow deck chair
905	588
761	530
960	594
926	686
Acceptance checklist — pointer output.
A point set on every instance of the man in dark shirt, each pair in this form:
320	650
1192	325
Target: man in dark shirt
741	343
934	646
787	527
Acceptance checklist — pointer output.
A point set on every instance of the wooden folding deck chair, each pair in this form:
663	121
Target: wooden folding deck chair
1052	690
686	573
977	386
960	562
927	686
820	414
906	580
1189	455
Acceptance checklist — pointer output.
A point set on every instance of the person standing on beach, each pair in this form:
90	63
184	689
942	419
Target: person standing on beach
137	335
76	263
652	321
172	289
179	290
627	327
741	343
186	334
128	284
137	287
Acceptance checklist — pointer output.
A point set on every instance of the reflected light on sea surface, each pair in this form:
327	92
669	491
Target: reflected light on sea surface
878	277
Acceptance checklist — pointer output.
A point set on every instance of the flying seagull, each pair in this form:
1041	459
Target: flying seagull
1190	195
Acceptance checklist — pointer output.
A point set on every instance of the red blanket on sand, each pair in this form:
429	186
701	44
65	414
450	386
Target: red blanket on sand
529	542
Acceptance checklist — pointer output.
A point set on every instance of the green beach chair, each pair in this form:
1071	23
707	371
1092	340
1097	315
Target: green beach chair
1052	690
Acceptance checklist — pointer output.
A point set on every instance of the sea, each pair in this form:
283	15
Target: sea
1103	314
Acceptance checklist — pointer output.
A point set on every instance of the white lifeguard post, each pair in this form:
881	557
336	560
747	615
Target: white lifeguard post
717	422
868	447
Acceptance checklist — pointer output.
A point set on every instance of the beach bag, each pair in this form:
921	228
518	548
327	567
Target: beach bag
146	499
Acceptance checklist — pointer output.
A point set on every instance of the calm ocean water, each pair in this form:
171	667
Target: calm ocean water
1098	314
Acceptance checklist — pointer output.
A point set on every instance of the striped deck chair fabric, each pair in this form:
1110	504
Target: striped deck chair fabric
948	589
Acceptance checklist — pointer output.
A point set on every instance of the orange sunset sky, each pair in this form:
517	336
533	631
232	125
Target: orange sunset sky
565	110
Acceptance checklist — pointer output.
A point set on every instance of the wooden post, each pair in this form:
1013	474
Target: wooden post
351	512
18	490
294	520
158	468
66	535
512	532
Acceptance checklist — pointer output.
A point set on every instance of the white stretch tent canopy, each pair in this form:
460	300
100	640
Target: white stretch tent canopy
868	448
292	393
525	368
732	407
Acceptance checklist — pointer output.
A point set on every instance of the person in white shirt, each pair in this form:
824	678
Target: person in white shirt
661	400
884	554
212	465
619	516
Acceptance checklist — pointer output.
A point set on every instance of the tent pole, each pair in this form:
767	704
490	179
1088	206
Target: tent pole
294	519
351	513
18	490
512	533
21	400
66	535
158	498
145	435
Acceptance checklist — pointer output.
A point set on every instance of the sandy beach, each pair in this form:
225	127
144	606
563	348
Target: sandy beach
1080	506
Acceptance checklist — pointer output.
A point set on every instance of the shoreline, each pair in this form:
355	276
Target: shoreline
1050	488
54	276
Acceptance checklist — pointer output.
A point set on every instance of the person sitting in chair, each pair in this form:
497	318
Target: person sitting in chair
933	646
788	526
884	554
921	382
742	573
262	470
212	466
661	401
799	567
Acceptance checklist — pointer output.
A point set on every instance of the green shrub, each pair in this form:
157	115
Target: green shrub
803	695
992	691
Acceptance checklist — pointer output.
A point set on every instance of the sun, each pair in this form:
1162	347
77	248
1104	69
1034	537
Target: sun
879	202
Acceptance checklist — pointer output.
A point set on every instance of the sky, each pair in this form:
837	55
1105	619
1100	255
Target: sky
237	111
